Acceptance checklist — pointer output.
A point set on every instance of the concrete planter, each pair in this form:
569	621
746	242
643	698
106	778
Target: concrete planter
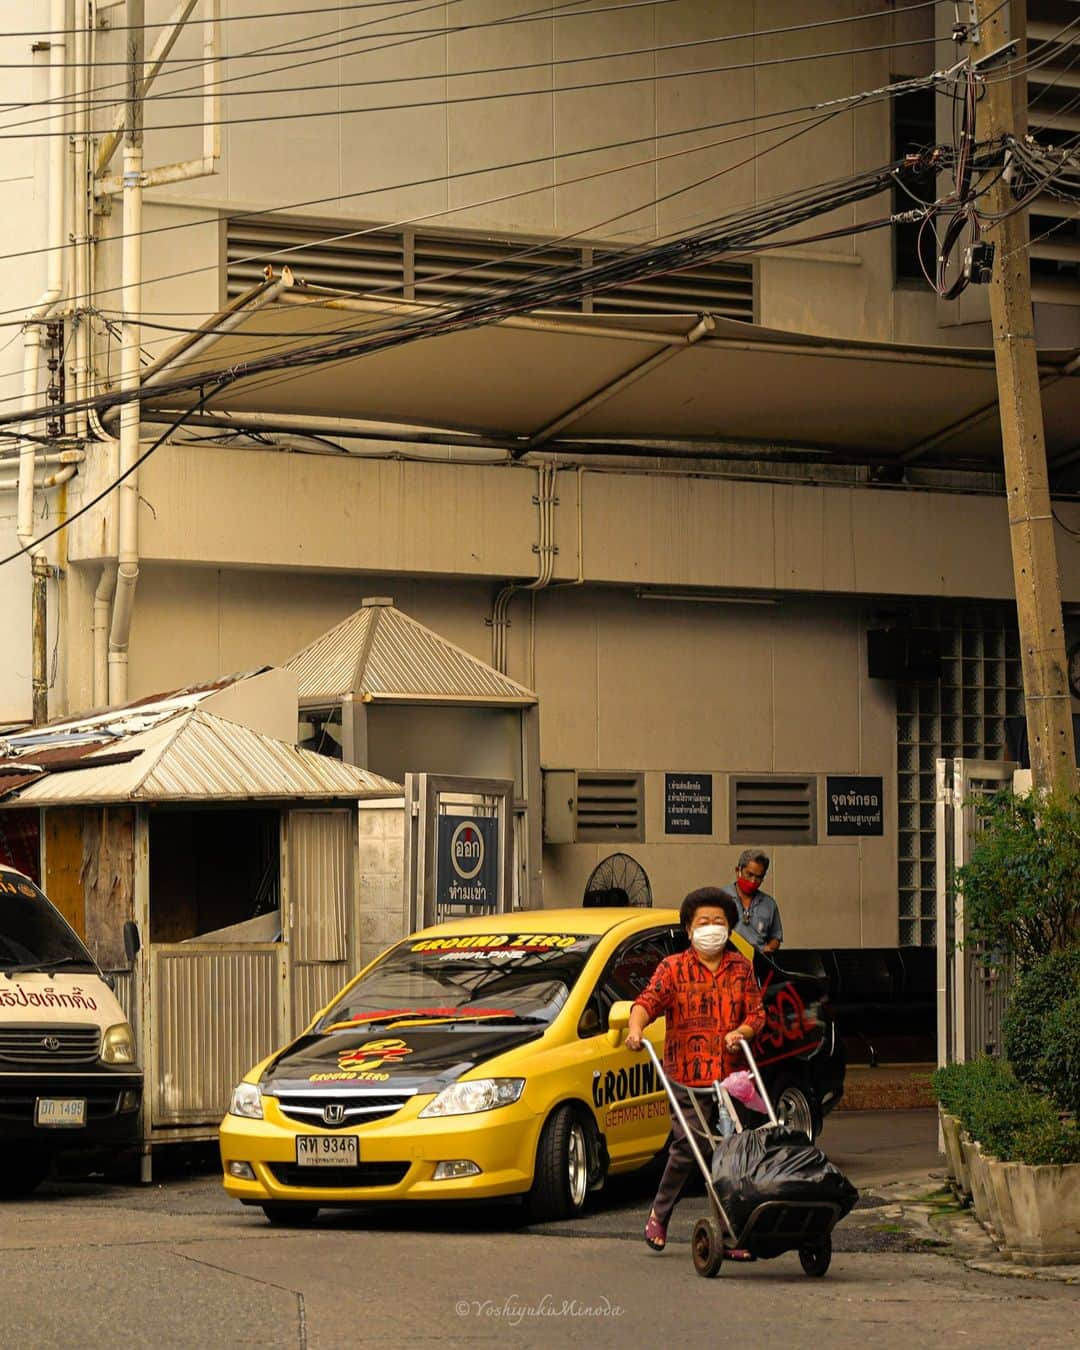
980	1191
950	1133
963	1177
999	1173
1046	1207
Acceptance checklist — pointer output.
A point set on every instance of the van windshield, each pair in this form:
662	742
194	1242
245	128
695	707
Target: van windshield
33	935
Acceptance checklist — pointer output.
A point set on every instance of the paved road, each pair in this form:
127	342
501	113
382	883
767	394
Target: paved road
178	1265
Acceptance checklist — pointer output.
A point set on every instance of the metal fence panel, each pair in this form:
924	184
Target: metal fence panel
321	877
216	1013
313	987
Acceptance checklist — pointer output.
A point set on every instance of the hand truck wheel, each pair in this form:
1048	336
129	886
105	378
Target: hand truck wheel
708	1248
815	1260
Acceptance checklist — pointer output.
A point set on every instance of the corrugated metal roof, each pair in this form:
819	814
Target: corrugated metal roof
196	756
327	667
381	653
67	733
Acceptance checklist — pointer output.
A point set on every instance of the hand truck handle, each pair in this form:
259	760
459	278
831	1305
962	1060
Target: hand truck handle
758	1080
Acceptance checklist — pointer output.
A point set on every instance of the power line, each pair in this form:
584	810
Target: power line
654	77
411	36
695	248
851	101
111	487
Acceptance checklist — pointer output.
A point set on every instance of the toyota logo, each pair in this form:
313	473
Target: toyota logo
50	1043
333	1114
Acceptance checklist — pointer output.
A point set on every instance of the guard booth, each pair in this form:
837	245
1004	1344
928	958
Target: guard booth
384	692
971	996
261	877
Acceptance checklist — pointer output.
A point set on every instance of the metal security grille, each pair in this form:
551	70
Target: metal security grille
773	810
610	806
419	265
961	716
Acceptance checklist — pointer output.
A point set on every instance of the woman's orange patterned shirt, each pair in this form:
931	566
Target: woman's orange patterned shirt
701	1008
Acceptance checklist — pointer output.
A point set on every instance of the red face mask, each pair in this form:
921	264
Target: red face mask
749	887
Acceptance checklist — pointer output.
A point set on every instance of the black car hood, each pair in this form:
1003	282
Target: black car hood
415	1059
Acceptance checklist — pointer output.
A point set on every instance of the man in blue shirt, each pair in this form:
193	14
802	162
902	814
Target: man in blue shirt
759	915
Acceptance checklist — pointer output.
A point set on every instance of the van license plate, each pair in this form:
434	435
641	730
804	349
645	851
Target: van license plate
327	1150
60	1111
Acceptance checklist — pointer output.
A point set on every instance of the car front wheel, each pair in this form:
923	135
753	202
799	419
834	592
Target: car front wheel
797	1108
561	1181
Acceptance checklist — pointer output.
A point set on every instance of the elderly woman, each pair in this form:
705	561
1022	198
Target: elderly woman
712	1002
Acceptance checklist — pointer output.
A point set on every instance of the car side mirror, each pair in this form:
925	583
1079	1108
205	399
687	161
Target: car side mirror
618	1022
132	941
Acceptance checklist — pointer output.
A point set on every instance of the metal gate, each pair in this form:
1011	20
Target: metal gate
971	995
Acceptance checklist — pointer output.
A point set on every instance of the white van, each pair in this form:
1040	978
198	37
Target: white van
68	1078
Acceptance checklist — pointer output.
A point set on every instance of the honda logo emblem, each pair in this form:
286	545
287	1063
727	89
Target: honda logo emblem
50	1042
333	1114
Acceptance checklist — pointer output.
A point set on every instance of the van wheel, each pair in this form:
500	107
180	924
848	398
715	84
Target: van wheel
561	1181
29	1176
797	1106
290	1216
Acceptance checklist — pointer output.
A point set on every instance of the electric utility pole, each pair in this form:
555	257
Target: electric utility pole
1047	703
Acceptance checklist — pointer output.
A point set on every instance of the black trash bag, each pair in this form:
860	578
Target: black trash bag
774	1163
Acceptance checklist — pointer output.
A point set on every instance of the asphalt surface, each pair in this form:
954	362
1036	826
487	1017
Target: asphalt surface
177	1264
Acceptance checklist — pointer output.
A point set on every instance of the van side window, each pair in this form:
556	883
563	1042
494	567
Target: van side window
627	973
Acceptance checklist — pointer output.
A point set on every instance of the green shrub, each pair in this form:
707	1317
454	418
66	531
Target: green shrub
1038	992
1048	1143
1021	884
1058	1067
1009	1119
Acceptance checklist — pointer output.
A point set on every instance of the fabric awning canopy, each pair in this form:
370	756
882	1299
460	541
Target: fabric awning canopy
560	379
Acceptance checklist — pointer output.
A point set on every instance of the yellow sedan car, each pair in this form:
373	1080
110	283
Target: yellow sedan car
471	1060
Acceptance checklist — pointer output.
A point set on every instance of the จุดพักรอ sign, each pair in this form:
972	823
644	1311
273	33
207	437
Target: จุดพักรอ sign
854	804
467	870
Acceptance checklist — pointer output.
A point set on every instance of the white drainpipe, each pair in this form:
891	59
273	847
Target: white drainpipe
127	563
54	284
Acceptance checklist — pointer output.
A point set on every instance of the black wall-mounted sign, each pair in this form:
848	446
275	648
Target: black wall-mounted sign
467	871
688	803
854	805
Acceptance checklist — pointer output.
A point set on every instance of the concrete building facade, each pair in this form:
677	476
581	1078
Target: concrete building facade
705	606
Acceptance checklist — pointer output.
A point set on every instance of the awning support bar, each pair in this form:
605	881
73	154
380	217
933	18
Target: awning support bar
706	324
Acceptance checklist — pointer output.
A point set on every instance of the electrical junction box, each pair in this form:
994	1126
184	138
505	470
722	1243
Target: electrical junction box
560	806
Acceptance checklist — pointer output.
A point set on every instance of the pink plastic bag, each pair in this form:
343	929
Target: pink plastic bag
740	1086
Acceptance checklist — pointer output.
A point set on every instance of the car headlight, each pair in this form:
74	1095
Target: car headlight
481	1094
118	1045
247	1101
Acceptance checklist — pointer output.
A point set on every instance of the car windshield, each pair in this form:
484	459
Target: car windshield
481	978
33	936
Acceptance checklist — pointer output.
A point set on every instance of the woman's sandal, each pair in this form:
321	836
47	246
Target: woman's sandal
656	1234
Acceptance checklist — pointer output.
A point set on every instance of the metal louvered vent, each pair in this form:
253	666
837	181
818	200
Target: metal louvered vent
413	265
773	810
1053	117
610	806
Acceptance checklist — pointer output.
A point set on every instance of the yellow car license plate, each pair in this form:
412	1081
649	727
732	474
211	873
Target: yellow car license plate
60	1111
327	1150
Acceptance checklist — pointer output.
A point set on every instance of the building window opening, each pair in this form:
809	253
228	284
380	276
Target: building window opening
212	870
914	129
320	730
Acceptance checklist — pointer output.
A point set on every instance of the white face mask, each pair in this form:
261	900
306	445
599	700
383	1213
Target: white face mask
710	939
